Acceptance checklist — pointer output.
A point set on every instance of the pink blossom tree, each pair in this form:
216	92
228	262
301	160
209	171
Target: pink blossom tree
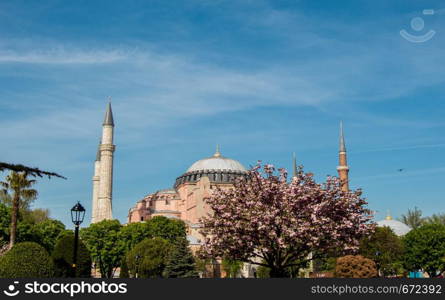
268	221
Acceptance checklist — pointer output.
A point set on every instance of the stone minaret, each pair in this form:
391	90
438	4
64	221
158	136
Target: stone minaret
343	168
294	166
96	183
104	207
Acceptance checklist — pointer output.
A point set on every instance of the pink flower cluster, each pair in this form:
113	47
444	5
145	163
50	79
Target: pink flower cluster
268	220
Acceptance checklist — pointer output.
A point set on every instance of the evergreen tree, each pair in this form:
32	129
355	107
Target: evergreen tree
180	261
63	257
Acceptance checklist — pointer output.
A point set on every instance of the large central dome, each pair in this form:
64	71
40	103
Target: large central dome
217	162
217	168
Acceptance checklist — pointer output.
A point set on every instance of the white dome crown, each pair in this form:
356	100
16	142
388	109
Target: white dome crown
217	162
398	227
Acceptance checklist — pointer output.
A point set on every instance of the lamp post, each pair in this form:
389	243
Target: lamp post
77	215
377	255
137	258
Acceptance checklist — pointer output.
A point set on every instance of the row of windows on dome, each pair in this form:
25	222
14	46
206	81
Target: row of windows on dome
213	175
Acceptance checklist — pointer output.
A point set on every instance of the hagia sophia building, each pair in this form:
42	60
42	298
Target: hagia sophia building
186	199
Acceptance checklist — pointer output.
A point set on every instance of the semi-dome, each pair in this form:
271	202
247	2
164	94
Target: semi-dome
217	162
217	168
398	227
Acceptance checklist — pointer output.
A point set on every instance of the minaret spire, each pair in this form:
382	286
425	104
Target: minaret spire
109	115
105	197
342	138
294	166
217	152
343	168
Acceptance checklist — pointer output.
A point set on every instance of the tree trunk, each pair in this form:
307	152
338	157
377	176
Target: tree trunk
14	216
278	272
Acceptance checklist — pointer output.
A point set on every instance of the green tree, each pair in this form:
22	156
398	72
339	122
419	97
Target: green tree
355	266
425	249
26	260
27	232
20	186
385	248
148	258
5	219
49	231
105	245
435	219
413	218
134	233
231	266
63	255
166	228
34	216
180	262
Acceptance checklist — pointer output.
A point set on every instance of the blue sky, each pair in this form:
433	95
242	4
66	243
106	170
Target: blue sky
261	78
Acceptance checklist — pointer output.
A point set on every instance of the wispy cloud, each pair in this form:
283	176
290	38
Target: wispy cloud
61	55
408	147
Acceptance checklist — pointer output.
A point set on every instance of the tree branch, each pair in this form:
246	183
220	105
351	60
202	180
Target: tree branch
28	170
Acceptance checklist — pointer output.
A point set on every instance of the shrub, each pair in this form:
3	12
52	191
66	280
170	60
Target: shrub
27	259
355	266
148	258
49	231
63	257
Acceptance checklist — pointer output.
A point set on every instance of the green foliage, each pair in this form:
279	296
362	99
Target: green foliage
263	272
19	185
385	248
34	216
133	233
201	265
413	218
166	228
425	249
22	196
355	266
231	267
103	240
27	260
325	263
180	262
5	219
28	170
27	232
49	231
148	258
31	229
435	219
63	255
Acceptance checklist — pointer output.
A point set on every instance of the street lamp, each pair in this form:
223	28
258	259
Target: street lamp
137	258
77	215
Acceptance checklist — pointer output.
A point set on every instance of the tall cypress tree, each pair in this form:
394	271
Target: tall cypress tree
180	262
